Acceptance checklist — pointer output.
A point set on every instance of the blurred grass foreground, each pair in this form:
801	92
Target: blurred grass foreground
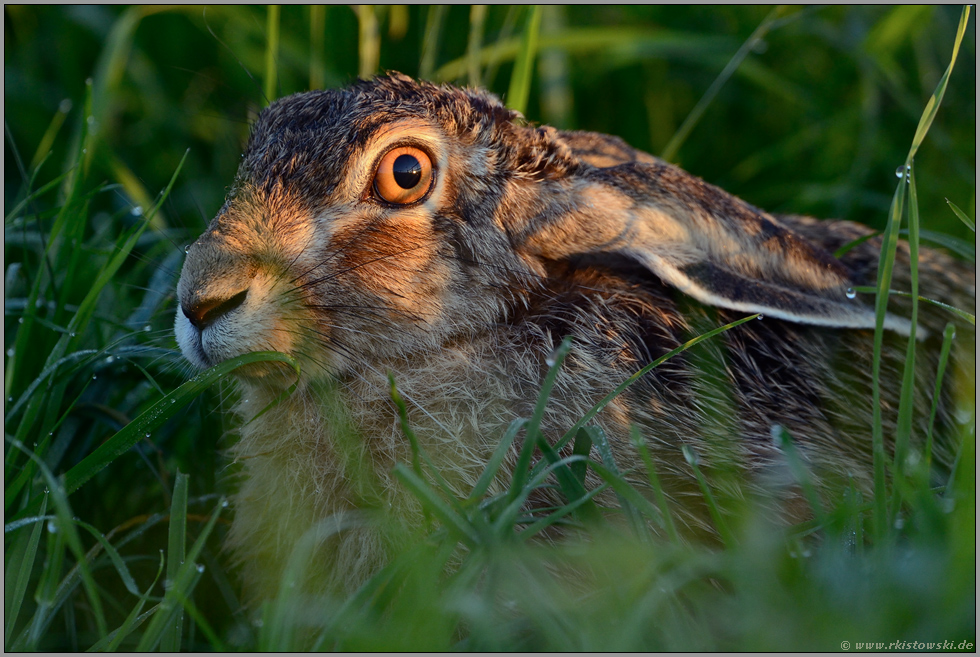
123	129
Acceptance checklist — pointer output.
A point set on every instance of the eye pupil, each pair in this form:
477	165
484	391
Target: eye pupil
407	171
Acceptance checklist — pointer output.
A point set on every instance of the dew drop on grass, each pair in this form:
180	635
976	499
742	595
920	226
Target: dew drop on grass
10	352
549	361
200	567
94	377
850	293
109	359
173	401
137	210
761	317
147	435
72	334
20	320
146	329
84	150
224	504
52	528
10	399
899	522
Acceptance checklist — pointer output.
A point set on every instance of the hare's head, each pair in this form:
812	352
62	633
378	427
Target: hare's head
392	216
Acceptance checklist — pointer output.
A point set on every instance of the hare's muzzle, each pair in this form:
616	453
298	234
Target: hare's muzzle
206	312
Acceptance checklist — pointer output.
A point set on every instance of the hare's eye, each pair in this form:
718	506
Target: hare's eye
403	176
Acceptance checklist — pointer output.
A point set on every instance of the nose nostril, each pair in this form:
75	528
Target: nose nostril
204	313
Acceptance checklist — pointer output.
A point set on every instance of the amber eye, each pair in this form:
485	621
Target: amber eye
403	176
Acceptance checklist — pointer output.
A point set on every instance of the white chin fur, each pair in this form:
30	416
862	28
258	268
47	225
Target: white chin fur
189	340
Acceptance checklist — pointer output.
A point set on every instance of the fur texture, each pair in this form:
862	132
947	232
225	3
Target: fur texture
527	235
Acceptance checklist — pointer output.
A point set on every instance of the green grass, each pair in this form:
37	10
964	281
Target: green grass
114	482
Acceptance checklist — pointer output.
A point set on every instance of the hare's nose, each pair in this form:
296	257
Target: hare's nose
207	311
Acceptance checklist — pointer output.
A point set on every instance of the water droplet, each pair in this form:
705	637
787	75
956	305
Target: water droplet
549	361
10	399
761	317
224	504
187	249
52	528
94	377
72	334
899	522
147	435
173	401
88	82
39	303
84	150
136	211
200	567
20	320
91	121
850	293
10	352
109	359
257	622
900	171
65	106
146	329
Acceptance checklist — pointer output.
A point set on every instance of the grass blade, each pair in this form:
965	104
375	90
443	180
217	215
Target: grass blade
271	53
435	505
643	372
434	19
478	16
962	216
520	81
932	105
369	42
658	492
187	576
533	426
670	151
692	459
159	413
903	430
317	57
170	642
948	333
18	572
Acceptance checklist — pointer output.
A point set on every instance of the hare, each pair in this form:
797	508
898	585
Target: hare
424	231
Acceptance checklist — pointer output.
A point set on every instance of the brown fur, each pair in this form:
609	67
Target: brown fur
528	235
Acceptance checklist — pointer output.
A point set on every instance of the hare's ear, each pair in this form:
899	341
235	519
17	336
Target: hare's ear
702	241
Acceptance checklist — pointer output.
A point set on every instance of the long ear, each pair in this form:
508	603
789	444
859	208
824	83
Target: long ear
697	238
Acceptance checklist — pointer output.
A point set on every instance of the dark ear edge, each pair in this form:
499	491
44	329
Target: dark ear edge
714	285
